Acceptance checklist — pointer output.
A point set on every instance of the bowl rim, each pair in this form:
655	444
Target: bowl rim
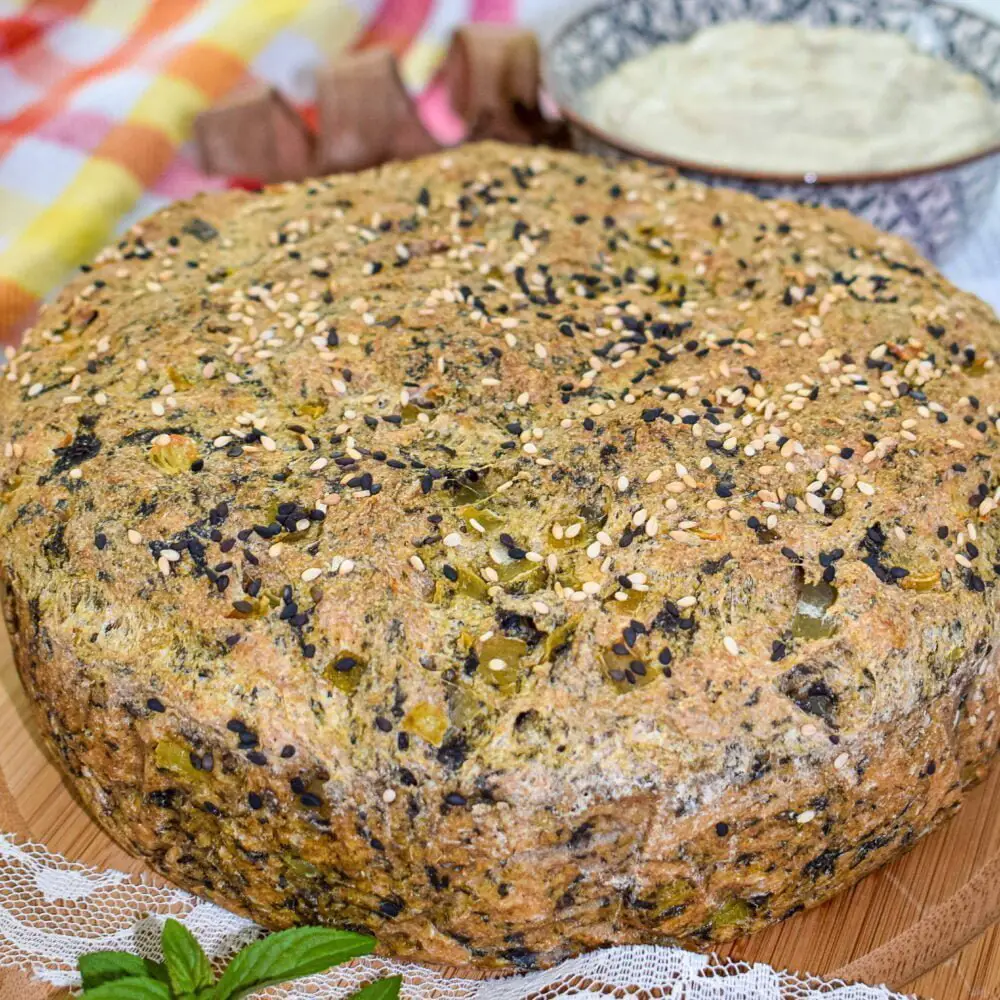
810	178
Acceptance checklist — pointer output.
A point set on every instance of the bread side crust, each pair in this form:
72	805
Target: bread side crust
498	885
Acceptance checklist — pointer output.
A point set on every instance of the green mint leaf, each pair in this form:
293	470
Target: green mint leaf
102	967
131	988
291	954
186	963
381	989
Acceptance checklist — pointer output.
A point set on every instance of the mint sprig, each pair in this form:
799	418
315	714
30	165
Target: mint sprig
186	974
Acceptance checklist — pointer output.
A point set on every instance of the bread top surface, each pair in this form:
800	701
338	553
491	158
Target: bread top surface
530	476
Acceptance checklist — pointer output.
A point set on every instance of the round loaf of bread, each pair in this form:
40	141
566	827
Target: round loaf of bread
508	553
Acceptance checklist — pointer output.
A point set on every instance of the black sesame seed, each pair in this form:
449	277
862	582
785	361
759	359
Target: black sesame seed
383	723
256	802
455	799
155	705
101	540
310	800
721	829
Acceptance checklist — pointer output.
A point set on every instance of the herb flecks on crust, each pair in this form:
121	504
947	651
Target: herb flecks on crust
508	553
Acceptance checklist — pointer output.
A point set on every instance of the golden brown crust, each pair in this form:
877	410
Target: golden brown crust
508	553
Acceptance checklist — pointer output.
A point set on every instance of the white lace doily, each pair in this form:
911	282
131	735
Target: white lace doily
53	910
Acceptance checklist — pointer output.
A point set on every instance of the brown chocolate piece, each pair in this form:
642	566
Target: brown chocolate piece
493	75
254	133
366	116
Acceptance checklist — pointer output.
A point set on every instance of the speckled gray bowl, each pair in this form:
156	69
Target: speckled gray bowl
931	206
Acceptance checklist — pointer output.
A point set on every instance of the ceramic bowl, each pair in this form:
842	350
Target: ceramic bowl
934	207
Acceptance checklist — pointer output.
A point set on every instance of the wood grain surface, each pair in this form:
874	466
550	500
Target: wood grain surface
820	941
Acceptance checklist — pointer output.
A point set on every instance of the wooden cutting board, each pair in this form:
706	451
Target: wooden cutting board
819	941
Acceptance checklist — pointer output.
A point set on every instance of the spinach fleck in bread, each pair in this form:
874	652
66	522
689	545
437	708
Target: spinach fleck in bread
508	553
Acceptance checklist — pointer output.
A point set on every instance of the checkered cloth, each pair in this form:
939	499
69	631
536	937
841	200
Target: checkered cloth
98	97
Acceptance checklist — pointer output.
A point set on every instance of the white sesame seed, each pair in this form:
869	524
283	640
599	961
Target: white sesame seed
841	761
497	664
417	563
731	645
573	530
806	817
157	407
622	484
687	602
134	537
345	567
541	607
591	587
866	488
320	463
388	796
453	540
